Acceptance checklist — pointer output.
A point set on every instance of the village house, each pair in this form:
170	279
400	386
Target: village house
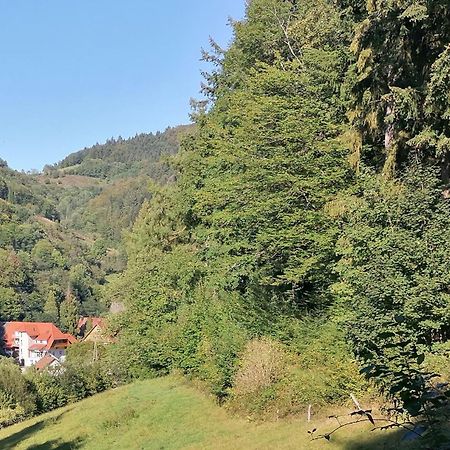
29	342
48	362
93	329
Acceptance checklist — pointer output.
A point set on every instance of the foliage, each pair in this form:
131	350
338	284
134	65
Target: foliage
400	84
268	225
394	274
69	313
25	394
16	398
142	147
37	256
243	242
260	261
59	229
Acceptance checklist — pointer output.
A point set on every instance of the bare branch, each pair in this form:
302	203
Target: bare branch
285	29
392	424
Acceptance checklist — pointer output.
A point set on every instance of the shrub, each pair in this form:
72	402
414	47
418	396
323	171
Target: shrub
311	365
210	343
49	392
17	400
263	364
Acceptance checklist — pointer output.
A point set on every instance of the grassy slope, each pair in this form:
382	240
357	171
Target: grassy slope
169	414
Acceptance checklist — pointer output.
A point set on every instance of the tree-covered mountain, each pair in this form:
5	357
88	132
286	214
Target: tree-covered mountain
60	231
99	190
119	158
43	264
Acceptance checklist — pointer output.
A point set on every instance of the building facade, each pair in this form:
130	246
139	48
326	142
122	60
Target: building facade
29	342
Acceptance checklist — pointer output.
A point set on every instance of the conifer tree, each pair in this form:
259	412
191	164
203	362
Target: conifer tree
69	313
401	69
51	306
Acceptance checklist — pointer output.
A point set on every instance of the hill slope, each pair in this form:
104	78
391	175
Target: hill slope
61	231
167	413
117	158
40	258
100	190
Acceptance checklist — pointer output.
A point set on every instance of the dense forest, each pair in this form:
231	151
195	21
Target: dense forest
293	249
305	237
104	186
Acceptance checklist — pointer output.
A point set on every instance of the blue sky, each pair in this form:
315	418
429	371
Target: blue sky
77	72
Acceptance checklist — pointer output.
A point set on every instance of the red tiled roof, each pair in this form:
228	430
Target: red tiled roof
94	321
37	347
45	362
41	331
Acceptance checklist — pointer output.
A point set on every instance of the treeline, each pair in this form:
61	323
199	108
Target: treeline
308	226
100	190
120	157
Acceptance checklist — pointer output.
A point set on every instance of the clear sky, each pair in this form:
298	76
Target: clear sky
76	72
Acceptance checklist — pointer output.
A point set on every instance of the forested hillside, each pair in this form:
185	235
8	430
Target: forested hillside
60	231
122	157
48	272
100	190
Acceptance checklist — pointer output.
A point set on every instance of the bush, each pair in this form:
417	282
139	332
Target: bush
49	392
263	364
263	368
78	378
311	365
209	343
17	400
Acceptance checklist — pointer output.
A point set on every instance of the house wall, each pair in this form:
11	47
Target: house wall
26	357
24	344
95	335
58	353
29	357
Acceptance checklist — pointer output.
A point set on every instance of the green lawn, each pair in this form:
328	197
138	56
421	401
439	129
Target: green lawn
168	413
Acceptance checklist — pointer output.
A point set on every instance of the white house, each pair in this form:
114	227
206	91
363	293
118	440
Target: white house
29	342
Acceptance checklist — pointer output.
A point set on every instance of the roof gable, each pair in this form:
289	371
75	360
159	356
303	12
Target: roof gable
46	361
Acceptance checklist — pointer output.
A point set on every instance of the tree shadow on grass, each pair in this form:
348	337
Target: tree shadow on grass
58	444
12	441
408	437
380	440
374	441
400	440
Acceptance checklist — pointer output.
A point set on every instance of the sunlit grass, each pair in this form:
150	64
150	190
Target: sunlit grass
169	413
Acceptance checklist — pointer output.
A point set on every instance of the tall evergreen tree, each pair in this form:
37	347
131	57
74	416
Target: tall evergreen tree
69	313
51	306
400	84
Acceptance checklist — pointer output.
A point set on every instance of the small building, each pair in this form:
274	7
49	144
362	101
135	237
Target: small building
93	329
29	342
48	362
